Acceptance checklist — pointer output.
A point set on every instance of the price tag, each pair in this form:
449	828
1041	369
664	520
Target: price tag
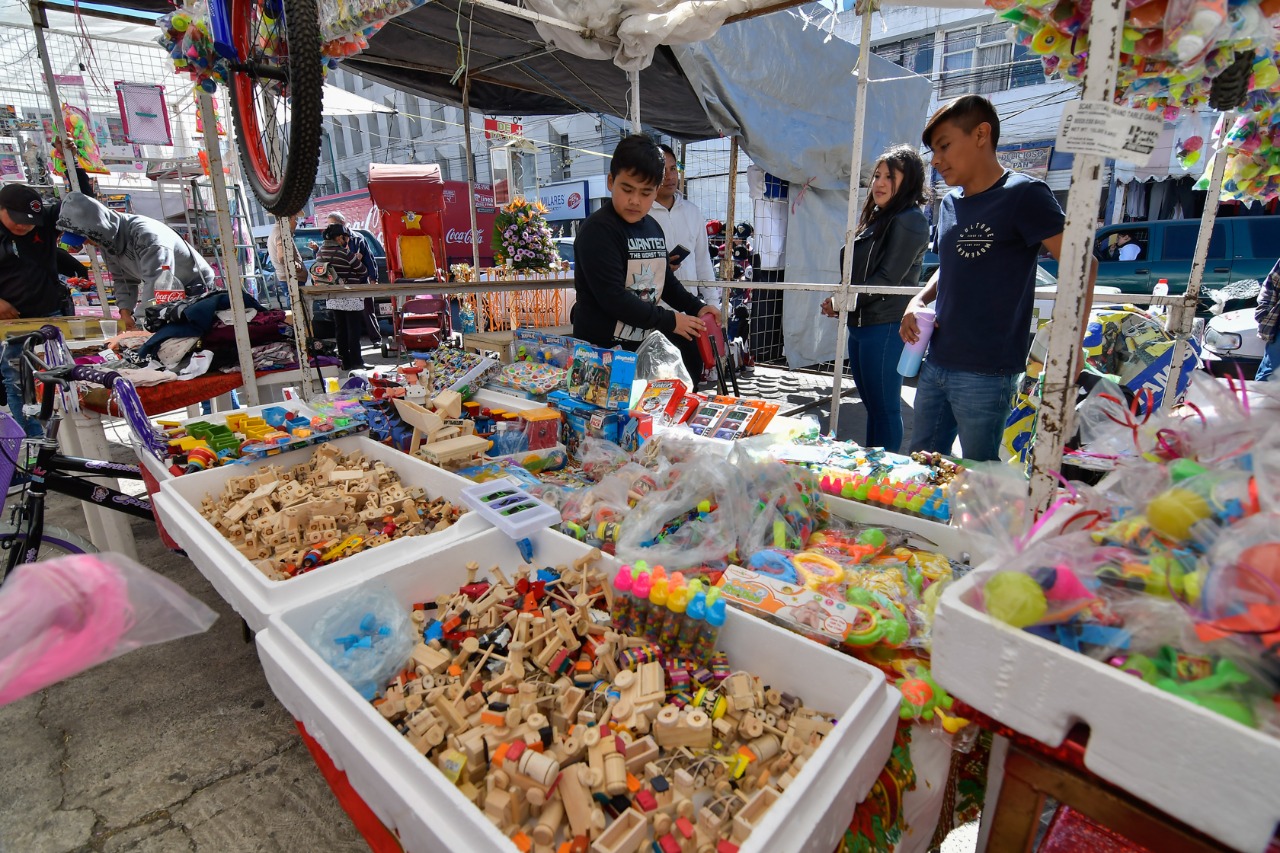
163	296
1109	130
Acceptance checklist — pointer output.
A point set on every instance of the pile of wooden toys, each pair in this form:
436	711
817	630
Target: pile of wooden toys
287	522
571	736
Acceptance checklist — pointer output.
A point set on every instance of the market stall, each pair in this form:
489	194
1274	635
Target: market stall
434	687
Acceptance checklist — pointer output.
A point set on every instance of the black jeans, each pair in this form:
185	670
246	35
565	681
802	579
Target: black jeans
348	327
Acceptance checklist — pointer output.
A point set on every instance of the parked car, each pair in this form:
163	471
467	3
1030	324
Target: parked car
564	246
1243	247
321	322
1230	341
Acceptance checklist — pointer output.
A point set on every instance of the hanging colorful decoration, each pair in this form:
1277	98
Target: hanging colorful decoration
1252	149
522	238
187	36
202	49
80	131
1172	50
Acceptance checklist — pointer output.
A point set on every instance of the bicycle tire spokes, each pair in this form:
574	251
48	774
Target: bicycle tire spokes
276	97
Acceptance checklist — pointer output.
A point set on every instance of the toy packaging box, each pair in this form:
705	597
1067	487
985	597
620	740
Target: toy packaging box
637	429
661	397
788	603
707	418
581	420
602	377
688	404
735	422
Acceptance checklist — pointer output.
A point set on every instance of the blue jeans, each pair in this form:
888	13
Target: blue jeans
974	406
1270	360
873	360
13	387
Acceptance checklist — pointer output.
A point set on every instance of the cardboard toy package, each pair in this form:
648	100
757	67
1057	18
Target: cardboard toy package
602	377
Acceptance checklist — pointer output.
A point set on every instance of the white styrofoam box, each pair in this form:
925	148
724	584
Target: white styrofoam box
251	593
950	541
1214	774
492	399
412	797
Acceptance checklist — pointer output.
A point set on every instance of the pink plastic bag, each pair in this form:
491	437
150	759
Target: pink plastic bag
64	616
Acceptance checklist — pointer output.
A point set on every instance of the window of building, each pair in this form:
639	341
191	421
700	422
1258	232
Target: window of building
375	132
366	82
912	54
1027	70
344	184
413	109
976	60
357	136
339	136
437	117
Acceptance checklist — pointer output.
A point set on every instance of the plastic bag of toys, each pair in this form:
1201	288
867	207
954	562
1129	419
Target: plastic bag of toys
692	523
367	639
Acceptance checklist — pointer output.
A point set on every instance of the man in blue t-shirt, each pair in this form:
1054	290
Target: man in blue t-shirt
990	229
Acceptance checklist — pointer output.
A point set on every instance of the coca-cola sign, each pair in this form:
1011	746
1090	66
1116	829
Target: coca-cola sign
466	237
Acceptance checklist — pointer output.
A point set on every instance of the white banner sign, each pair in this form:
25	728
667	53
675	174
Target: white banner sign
1109	130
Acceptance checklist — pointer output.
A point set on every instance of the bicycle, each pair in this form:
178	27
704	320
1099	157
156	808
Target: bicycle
24	536
276	78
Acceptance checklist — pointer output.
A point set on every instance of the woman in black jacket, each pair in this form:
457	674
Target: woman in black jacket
892	235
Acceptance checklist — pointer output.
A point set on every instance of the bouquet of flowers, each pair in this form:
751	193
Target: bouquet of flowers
521	236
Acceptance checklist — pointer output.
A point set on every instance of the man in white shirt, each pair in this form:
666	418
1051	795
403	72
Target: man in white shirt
1129	250
684	225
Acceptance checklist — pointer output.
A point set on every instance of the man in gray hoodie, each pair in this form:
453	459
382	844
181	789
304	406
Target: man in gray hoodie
136	249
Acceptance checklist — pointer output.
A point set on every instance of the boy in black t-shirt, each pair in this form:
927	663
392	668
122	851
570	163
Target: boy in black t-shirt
990	229
621	271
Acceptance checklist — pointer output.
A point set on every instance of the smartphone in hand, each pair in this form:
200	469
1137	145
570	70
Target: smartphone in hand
678	254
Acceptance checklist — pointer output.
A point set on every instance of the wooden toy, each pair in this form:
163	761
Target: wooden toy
317	512
568	738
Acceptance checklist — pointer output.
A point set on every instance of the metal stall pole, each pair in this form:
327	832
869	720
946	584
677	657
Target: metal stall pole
226	233
634	77
851	220
1181	315
726	262
301	328
471	174
1060	366
39	23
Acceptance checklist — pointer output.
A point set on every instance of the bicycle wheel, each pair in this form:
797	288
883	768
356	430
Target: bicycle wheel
54	542
276	98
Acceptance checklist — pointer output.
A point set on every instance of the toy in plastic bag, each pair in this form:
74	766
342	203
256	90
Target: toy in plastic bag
693	523
658	358
66	615
367	639
1042	585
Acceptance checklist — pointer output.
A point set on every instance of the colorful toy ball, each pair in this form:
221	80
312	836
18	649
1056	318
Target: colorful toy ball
1173	513
1015	599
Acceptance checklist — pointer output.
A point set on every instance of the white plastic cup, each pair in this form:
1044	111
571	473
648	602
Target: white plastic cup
913	354
109	328
79	328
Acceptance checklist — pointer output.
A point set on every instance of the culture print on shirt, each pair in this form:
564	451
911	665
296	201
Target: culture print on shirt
975	240
646	275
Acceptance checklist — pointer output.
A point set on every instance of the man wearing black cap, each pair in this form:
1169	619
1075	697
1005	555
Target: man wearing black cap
30	262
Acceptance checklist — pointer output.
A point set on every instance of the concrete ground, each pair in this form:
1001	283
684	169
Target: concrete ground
182	746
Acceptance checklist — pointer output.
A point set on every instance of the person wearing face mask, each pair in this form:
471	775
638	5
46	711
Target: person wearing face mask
887	250
990	230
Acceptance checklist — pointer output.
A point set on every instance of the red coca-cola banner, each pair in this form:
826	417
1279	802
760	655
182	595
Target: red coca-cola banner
457	223
358	208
